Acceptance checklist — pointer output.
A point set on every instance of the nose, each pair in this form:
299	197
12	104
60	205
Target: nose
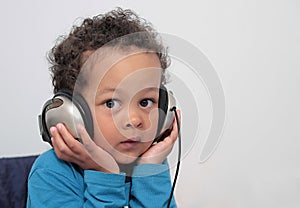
134	120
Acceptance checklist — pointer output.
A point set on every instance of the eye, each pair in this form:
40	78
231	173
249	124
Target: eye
146	103
112	103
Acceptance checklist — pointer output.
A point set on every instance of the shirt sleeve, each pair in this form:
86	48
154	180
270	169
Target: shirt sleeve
49	189
151	186
104	189
67	188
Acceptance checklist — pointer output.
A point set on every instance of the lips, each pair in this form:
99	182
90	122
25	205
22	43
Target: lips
130	143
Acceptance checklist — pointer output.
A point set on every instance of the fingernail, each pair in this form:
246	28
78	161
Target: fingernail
80	127
59	126
52	129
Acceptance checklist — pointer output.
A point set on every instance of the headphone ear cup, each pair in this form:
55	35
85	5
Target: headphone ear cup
162	108
166	103
44	131
70	109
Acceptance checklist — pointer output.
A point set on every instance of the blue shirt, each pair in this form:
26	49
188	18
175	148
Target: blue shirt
55	183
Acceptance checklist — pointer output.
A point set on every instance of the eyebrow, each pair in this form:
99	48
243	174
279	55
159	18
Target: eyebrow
114	90
151	89
107	90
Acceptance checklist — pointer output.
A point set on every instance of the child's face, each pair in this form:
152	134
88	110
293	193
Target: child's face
125	110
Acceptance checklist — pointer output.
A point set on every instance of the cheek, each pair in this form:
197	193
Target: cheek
105	128
151	124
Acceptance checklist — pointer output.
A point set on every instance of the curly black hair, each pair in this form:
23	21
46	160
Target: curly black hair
71	51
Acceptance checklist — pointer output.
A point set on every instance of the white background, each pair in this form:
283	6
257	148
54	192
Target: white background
255	49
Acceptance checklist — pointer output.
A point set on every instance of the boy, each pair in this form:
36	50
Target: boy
119	76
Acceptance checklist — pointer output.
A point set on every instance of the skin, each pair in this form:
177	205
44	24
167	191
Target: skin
124	110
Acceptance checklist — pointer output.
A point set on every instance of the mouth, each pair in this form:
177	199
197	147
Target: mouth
130	143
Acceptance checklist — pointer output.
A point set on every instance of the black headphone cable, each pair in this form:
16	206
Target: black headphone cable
179	156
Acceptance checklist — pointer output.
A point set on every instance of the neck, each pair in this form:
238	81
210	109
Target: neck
127	168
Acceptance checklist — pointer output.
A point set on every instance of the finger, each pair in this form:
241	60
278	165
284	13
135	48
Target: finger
174	133
169	141
61	149
56	137
92	149
85	137
73	144
175	129
98	154
179	115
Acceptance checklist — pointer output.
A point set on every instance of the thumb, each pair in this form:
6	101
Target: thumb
96	153
85	138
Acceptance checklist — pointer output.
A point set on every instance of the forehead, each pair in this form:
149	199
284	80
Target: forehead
133	73
130	70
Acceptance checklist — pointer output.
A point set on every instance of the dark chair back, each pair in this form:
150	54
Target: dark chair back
13	180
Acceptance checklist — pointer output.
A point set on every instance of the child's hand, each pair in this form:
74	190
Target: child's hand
88	155
157	153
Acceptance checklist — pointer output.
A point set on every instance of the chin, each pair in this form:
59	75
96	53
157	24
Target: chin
125	159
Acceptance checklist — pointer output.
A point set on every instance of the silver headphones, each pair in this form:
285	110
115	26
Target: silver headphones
72	109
